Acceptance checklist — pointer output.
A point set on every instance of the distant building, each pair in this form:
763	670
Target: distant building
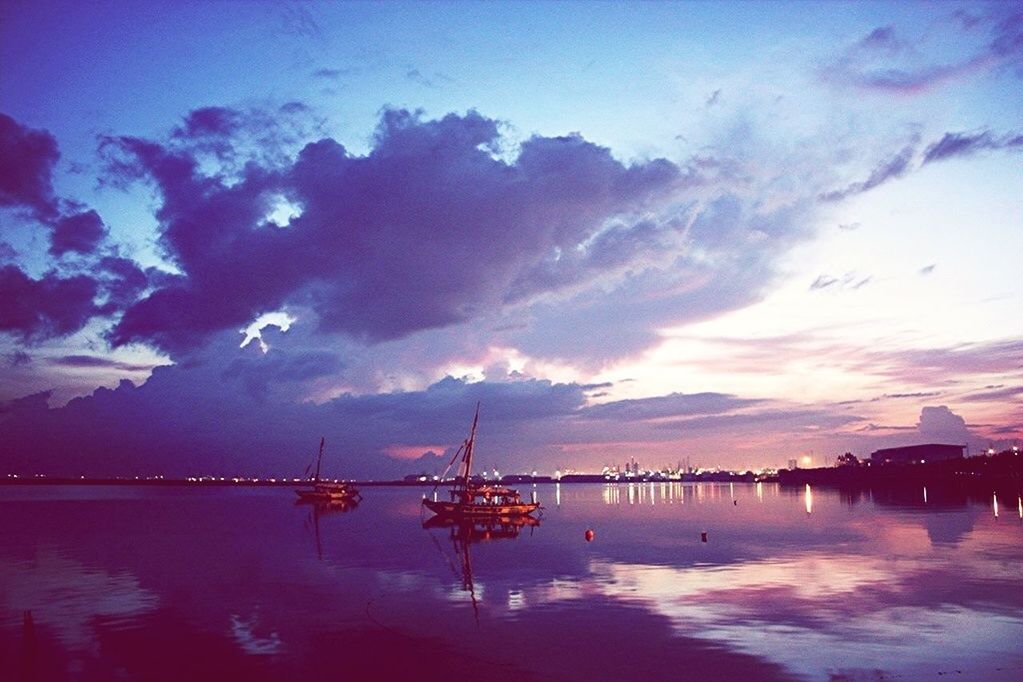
793	463
917	454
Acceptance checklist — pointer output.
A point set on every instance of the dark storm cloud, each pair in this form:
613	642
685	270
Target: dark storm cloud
81	232
427	230
37	309
27	158
965	144
217	414
258	373
194	418
123	281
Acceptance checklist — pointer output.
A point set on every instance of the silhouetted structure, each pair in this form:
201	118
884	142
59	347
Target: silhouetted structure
472	500
327	491
917	454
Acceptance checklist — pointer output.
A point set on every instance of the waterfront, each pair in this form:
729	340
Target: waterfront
193	583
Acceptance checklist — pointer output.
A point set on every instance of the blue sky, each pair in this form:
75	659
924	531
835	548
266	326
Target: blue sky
759	229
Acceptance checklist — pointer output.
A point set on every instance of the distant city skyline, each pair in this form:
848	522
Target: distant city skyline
736	233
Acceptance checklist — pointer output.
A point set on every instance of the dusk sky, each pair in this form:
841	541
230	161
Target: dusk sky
737	233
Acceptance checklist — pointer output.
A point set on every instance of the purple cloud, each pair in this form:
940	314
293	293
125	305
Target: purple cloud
80	233
427	230
895	166
36	309
200	416
941	364
918	394
674	405
964	144
215	415
872	63
123	281
943	425
882	39
330	74
17	358
97	362
998	395
209	121
7	253
27	158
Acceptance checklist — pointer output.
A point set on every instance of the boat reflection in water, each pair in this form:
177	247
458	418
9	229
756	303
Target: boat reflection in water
320	508
467	531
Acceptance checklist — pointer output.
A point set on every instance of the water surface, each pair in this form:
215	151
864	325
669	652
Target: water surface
101	583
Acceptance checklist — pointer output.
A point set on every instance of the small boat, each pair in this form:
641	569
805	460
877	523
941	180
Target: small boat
473	500
327	491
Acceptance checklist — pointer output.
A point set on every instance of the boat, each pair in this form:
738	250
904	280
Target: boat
474	500
327	491
320	508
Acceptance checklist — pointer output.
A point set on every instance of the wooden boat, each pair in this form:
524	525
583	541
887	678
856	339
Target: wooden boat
327	491
473	500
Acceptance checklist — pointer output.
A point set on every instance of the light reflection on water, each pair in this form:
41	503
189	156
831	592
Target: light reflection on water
146	583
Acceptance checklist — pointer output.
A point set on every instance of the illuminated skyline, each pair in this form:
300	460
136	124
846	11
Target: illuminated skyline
734	232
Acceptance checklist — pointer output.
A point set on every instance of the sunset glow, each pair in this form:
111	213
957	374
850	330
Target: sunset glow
737	233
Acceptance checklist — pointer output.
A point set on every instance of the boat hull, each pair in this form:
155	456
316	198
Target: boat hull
458	510
322	496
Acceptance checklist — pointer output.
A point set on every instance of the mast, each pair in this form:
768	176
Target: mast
467	457
319	458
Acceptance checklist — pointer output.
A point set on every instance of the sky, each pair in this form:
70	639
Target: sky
728	233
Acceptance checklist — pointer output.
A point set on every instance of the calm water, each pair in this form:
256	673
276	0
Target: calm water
186	584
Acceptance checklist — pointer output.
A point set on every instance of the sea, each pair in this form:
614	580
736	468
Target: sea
643	581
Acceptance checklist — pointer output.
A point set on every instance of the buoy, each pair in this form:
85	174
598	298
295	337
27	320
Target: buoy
735	502
703	536
589	535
